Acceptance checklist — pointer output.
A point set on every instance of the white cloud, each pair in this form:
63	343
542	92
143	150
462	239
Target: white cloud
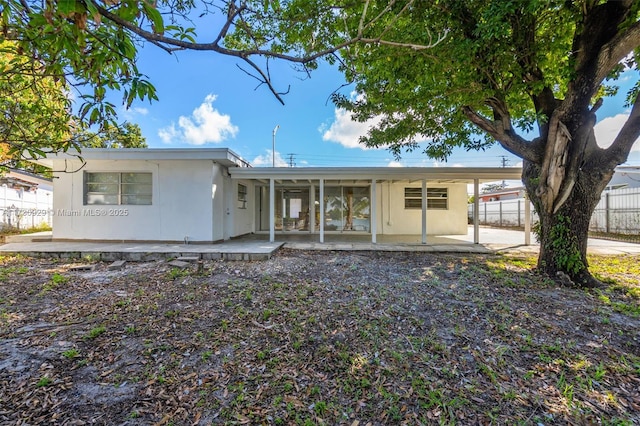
140	110
129	114
205	125
395	164
266	160
608	128
347	132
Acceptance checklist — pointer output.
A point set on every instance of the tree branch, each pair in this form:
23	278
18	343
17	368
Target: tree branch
617	49
628	135
512	142
234	13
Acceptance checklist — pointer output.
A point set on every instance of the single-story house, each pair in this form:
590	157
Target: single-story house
503	194
212	194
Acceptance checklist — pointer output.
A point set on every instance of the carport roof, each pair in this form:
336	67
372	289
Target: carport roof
366	174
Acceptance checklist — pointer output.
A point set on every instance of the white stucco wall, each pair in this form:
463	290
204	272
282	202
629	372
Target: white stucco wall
243	218
184	203
393	218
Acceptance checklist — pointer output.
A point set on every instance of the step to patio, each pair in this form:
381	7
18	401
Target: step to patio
111	252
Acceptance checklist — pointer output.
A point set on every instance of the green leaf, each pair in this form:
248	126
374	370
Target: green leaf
154	15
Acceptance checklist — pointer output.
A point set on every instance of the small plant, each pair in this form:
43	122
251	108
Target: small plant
176	273
56	281
224	324
44	381
206	355
91	258
172	313
70	353
320	408
266	314
600	372
96	331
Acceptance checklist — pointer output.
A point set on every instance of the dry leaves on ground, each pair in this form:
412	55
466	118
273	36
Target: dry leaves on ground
307	338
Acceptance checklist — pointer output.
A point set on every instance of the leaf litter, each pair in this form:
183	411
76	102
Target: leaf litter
353	338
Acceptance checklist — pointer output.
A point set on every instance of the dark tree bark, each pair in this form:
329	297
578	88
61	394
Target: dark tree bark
565	171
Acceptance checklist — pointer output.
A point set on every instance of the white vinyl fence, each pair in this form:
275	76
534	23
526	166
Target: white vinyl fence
617	213
22	209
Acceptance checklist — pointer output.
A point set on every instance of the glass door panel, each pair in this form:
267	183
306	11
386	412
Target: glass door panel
346	208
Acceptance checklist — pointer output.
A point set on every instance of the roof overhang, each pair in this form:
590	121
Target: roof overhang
431	174
223	156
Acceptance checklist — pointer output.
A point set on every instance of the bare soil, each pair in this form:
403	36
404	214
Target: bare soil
354	338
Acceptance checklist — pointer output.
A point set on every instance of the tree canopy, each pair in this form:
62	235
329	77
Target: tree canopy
128	135
33	106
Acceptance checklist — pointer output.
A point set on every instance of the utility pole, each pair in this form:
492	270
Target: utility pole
505	163
273	145
291	160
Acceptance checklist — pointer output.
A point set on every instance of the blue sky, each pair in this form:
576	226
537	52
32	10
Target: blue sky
207	101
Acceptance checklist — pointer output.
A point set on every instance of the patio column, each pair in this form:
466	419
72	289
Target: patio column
312	209
424	211
373	209
476	212
321	205
272	210
527	221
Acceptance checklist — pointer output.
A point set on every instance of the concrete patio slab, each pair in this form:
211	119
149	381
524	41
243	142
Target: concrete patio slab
257	246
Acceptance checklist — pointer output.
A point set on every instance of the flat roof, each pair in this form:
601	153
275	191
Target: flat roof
223	156
437	174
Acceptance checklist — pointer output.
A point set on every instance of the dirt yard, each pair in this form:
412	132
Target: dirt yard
353	338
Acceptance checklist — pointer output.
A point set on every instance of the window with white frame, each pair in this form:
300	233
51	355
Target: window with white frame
437	198
242	196
117	188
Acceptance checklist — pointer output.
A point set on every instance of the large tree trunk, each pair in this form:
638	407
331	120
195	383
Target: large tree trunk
565	212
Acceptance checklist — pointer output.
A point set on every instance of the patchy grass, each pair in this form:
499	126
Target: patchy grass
311	338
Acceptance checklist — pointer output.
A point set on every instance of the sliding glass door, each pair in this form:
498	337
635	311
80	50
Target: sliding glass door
347	208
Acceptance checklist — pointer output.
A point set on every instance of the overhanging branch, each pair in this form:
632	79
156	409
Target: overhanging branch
235	13
628	135
512	142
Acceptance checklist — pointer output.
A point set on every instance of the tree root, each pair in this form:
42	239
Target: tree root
582	279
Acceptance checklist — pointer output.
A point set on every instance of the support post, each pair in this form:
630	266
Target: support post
312	209
527	221
272	210
476	211
321	210
373	208
424	211
607	212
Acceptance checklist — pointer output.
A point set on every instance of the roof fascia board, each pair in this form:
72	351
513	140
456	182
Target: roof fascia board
467	174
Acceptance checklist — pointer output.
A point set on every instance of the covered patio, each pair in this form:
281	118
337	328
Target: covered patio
426	193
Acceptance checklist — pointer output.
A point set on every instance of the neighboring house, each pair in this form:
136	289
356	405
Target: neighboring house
208	195
625	177
25	200
503	194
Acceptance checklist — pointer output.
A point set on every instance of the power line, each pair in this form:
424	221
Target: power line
291	160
